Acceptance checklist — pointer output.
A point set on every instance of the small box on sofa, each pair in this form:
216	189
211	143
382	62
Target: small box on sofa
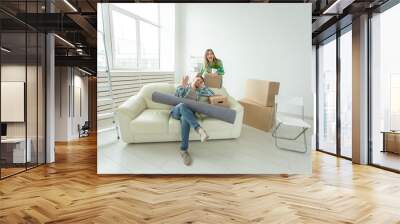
219	100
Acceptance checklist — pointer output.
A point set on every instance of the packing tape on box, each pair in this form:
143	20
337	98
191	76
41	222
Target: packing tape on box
220	113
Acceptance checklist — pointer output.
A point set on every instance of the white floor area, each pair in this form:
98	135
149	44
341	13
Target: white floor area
253	153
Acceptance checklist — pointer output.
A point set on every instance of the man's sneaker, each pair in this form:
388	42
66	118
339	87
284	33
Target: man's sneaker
202	133
187	160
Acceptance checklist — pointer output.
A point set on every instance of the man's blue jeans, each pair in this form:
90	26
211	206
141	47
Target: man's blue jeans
188	119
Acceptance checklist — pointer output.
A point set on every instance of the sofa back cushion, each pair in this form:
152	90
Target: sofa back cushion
147	91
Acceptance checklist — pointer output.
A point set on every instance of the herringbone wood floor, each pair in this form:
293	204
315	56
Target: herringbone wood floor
70	191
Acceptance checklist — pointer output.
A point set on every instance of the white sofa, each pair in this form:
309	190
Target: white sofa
142	120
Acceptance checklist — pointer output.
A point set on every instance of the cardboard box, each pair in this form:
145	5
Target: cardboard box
258	116
213	81
392	142
219	100
262	92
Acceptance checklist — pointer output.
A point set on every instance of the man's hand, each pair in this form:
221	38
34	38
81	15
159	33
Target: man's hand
193	85
185	80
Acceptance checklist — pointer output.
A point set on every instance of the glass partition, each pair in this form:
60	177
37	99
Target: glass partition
41	107
13	94
32	98
22	77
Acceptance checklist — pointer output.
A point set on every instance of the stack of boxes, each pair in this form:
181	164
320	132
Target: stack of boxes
259	103
213	81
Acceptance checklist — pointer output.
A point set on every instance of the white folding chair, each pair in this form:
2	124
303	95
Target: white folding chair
290	120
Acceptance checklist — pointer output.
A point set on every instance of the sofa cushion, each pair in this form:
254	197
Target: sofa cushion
154	124
151	121
208	123
174	125
212	124
147	91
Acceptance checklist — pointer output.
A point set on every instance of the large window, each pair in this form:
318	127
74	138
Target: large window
385	89
394	101
346	94
335	94
149	47
327	96
101	52
22	95
140	37
124	40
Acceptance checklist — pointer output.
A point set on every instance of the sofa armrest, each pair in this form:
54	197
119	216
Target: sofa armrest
235	105
127	112
132	107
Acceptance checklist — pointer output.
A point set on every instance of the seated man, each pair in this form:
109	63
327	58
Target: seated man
181	112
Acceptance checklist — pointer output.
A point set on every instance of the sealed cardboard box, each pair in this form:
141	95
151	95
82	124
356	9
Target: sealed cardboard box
391	142
257	116
219	100
213	81
262	91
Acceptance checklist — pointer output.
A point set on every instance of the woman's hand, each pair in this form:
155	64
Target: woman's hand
213	74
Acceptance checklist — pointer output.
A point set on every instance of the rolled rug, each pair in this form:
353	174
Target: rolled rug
220	113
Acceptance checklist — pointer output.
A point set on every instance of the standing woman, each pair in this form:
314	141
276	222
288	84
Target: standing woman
212	65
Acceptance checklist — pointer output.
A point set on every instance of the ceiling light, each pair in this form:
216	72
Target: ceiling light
70	5
5	50
64	40
86	72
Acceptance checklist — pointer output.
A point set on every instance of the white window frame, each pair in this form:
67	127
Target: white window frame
391	97
101	33
111	39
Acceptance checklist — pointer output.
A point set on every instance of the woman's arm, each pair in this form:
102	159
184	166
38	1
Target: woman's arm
220	69
203	70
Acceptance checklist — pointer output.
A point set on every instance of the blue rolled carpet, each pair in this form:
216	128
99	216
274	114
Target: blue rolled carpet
221	113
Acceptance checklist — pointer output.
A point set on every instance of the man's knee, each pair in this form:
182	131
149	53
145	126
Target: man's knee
183	106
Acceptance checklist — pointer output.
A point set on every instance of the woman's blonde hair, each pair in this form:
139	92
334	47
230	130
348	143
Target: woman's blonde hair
206	63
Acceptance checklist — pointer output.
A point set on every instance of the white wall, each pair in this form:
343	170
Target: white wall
254	41
18	73
61	103
84	84
34	125
80	82
66	121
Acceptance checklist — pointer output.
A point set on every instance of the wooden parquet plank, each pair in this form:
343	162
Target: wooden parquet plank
70	191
